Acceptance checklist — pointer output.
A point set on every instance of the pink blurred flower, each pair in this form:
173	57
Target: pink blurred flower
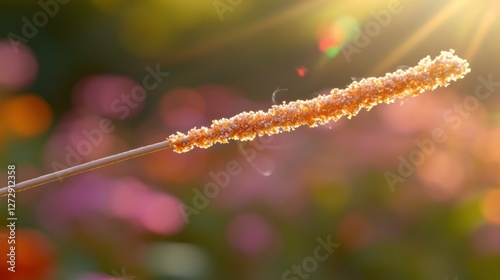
251	235
18	66
119	97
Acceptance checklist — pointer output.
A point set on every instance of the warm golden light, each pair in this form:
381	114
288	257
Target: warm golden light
427	75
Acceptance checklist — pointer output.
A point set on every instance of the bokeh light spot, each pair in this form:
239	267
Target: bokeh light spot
250	234
443	174
162	214
182	109
177	260
126	198
78	138
18	66
114	96
355	231
485	240
334	36
491	206
35	256
301	71
27	115
490	147
326	43
333	51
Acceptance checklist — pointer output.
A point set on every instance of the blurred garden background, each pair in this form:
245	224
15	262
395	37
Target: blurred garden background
374	197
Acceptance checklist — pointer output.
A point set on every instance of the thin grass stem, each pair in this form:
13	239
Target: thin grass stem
427	75
84	167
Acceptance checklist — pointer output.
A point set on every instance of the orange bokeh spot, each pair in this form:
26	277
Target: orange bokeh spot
27	115
355	231
35	257
491	206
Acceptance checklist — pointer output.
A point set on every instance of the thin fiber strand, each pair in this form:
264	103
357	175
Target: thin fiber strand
427	75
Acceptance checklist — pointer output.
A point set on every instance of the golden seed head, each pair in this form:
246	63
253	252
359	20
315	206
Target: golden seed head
427	75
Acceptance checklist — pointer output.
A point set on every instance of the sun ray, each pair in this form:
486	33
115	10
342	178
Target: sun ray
489	16
248	30
436	21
